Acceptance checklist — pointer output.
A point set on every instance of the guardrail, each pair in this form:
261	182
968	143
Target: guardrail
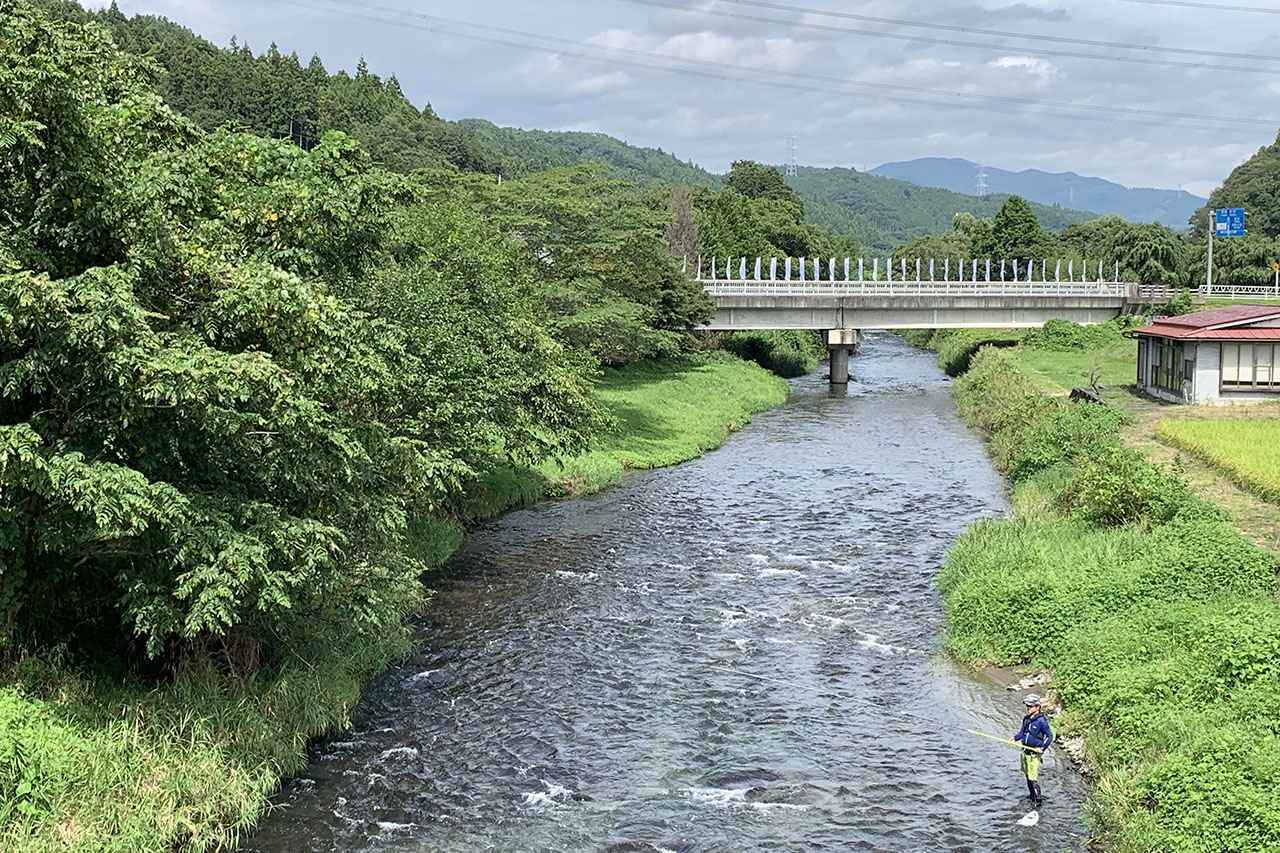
1265	292
732	287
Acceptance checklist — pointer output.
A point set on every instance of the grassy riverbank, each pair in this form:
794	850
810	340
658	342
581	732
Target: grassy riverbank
1158	619
93	761
1060	357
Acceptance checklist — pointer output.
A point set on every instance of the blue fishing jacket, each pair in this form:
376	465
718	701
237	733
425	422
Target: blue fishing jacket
1035	732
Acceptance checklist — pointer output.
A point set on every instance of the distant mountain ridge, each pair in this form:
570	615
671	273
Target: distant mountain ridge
880	213
883	213
1173	208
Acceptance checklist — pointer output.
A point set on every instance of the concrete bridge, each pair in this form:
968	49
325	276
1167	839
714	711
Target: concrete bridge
912	294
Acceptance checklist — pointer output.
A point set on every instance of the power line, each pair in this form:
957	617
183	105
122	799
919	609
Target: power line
721	71
958	28
1222	7
997	48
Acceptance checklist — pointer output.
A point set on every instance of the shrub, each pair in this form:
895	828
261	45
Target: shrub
1064	335
784	352
956	348
1117	485
995	395
1061	431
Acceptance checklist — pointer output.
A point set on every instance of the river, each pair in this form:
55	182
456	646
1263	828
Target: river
738	654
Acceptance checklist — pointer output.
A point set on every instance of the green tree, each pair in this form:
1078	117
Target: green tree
608	277
1155	256
230	396
756	180
1016	231
1253	185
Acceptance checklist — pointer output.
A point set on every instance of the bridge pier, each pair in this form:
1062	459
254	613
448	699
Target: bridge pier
840	344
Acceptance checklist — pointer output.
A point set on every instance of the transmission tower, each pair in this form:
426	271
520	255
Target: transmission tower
793	157
984	189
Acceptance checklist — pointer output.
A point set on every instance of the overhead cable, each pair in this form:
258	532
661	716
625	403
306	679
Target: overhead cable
1222	7
946	42
804	82
982	31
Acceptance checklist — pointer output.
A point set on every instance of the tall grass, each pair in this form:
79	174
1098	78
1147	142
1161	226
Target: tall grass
1246	451
1158	620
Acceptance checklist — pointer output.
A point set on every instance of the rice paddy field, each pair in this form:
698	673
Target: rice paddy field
1247	451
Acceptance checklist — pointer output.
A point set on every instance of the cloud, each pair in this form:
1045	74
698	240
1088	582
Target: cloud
715	121
1032	65
600	84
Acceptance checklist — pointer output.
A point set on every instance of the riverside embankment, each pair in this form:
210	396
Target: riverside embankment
738	654
1157	617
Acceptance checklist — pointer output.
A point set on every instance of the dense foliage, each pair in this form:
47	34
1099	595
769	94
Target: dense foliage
1253	185
236	373
784	352
1157	618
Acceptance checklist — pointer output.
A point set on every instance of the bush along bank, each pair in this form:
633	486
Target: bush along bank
957	347
788	353
1158	620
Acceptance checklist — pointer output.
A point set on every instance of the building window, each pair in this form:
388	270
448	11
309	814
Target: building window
1168	365
1251	367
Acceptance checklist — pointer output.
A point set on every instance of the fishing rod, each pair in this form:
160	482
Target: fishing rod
1004	740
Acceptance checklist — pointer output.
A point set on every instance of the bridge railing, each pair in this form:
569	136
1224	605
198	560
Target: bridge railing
1260	292
728	287
889	270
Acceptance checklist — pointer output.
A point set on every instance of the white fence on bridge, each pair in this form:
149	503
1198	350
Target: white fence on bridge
918	288
903	270
1261	293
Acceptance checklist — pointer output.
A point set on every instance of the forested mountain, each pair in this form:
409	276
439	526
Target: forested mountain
882	213
1064	189
1255	186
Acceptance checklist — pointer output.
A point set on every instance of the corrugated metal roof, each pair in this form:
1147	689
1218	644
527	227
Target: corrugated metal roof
1164	330
1220	316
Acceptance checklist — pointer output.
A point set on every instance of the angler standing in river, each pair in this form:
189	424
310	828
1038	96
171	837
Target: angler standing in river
1036	736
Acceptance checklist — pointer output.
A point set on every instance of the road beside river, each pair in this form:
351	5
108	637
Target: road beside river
738	654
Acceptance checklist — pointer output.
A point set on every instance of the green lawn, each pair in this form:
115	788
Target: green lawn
668	414
1061	370
1247	451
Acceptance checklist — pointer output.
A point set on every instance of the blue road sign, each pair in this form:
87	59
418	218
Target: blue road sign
1228	222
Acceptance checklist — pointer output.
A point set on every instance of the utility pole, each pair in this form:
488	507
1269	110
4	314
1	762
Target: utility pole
793	157
1208	291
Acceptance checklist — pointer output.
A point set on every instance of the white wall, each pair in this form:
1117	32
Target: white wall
1208	373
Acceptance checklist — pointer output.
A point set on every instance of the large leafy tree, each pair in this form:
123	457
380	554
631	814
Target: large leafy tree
1016	231
231	373
607	276
756	180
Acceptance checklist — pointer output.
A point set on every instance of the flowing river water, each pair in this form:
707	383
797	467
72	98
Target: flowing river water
738	654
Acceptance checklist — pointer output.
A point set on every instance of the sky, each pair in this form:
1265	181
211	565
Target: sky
714	81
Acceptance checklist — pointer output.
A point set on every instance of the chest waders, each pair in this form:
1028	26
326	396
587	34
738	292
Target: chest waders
1031	769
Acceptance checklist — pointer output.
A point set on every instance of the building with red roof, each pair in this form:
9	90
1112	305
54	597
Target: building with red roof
1222	356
